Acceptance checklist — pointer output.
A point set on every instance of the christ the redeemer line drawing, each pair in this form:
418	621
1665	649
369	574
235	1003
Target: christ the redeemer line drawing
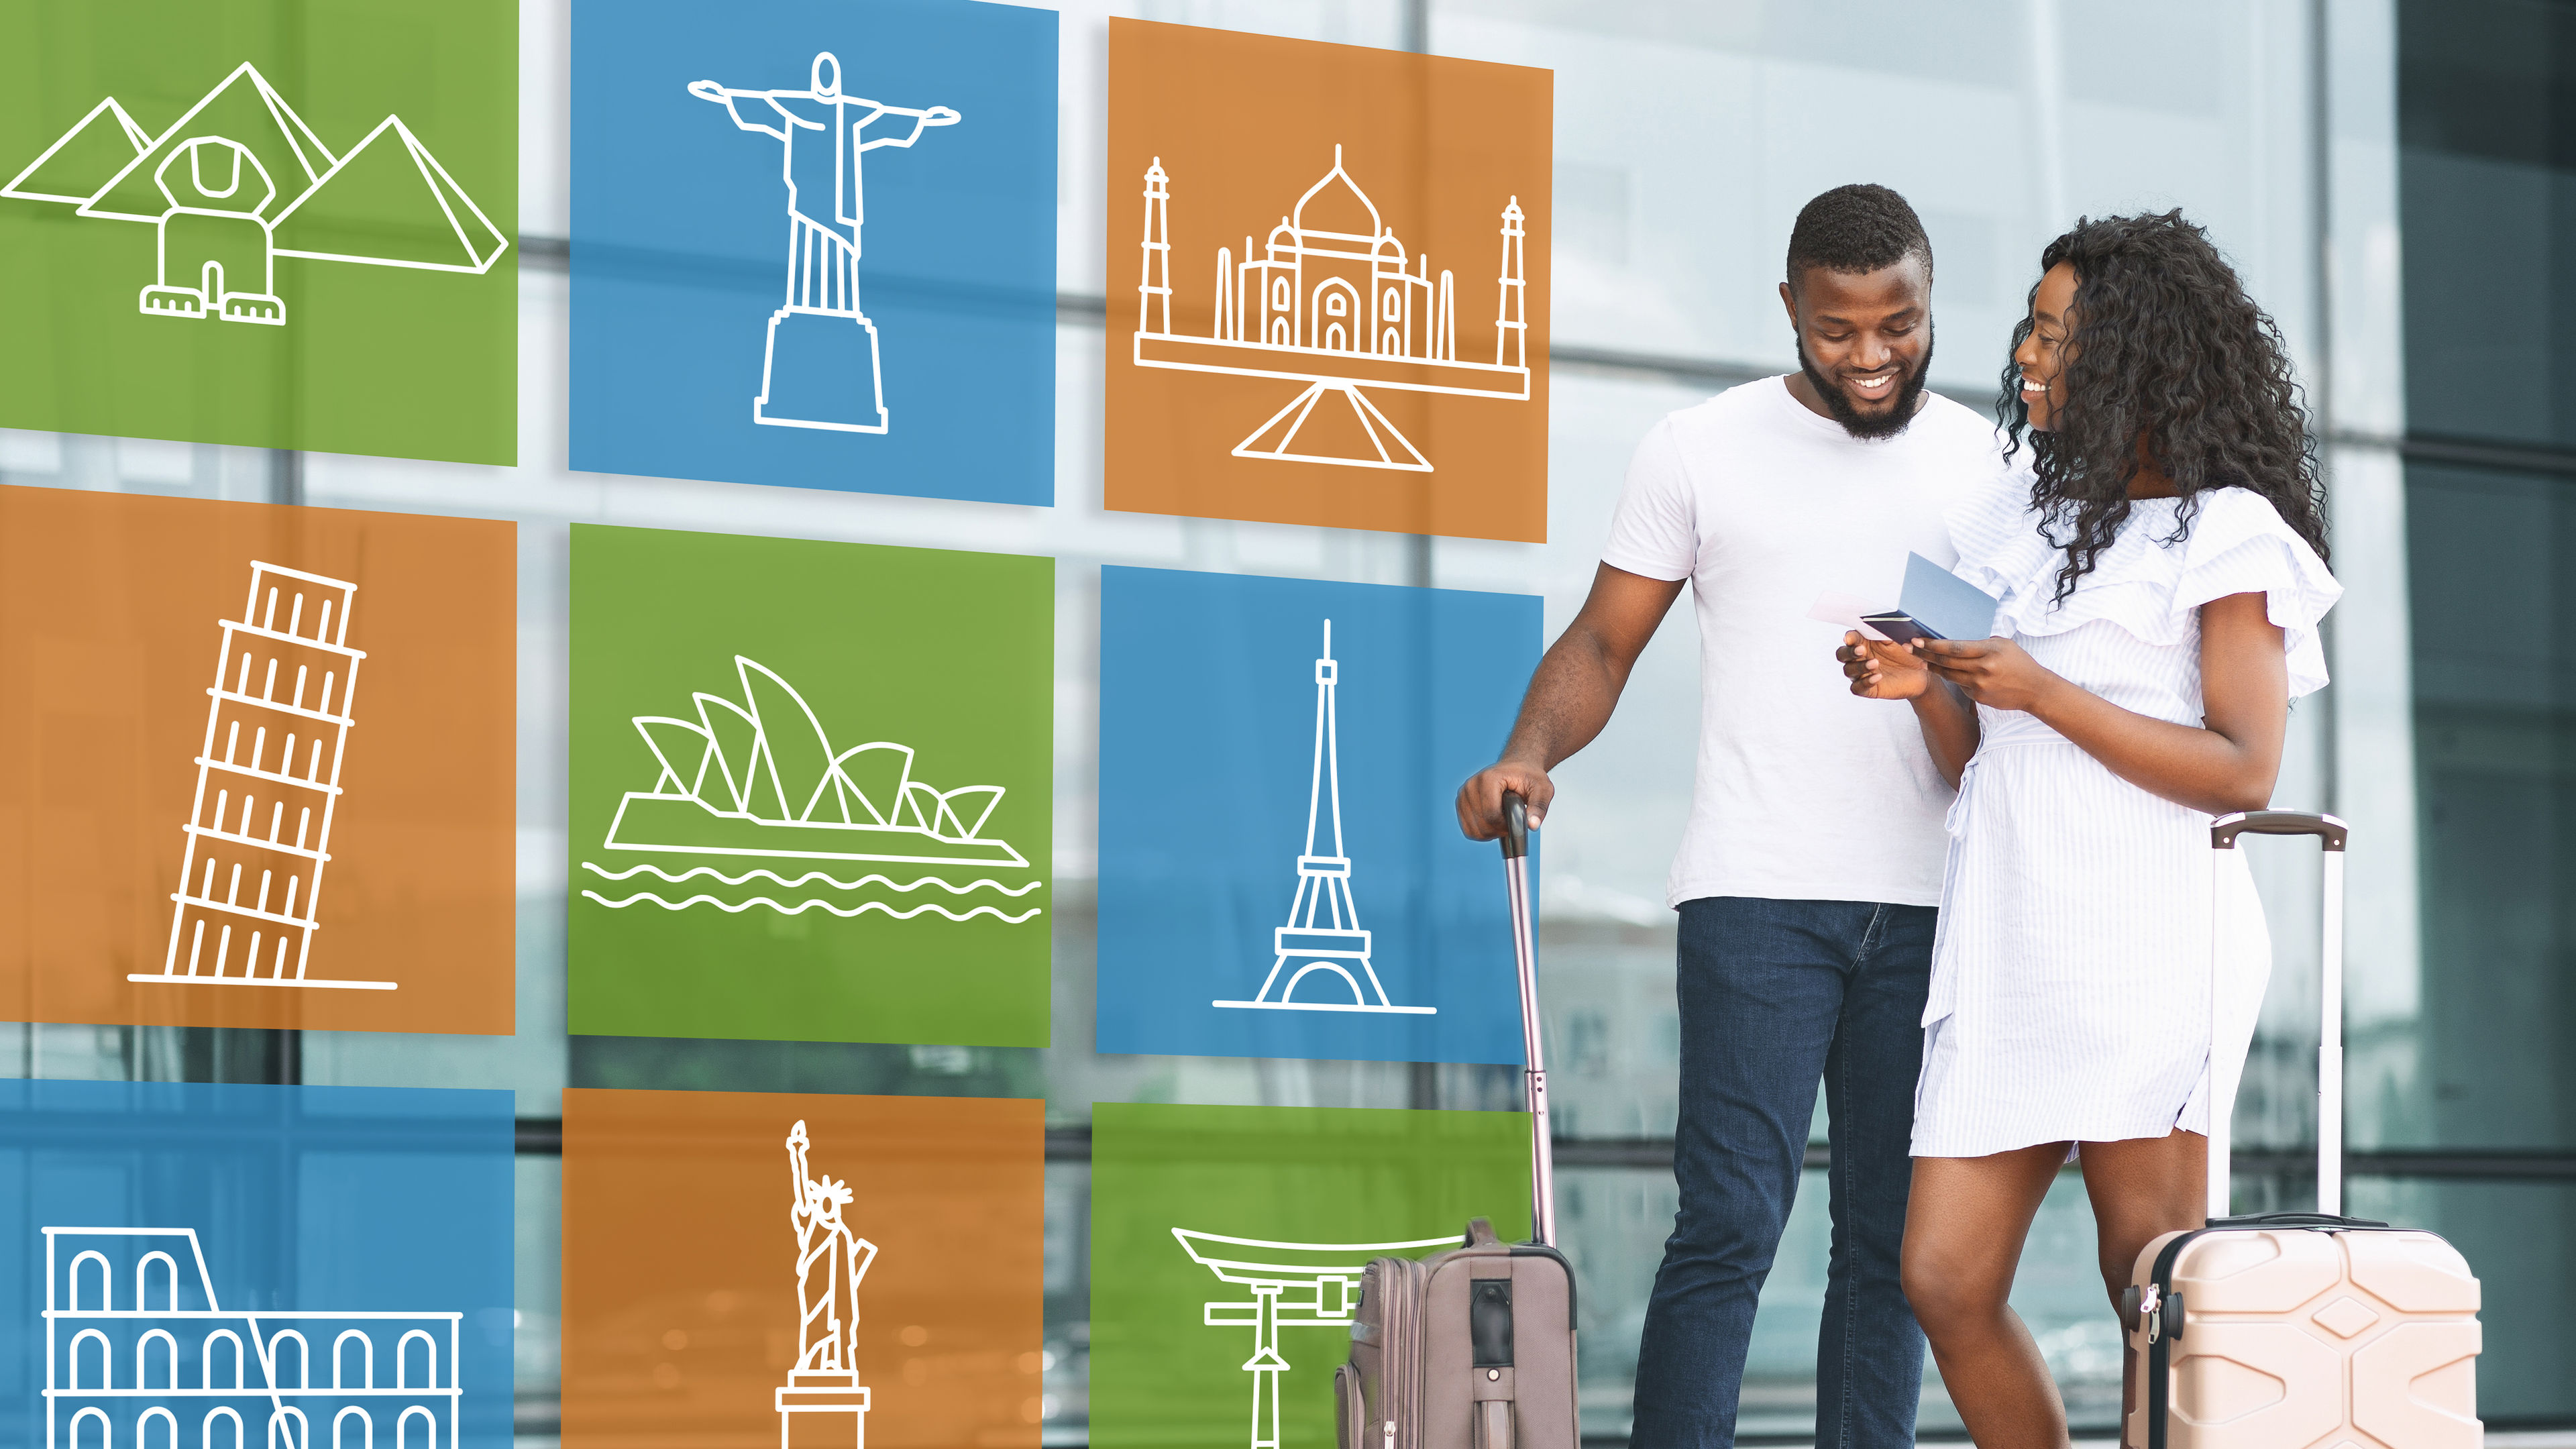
820	367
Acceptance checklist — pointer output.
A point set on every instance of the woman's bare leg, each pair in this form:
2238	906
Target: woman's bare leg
2142	1189
1964	1228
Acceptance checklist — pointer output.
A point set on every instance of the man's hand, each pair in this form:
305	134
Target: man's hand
1996	673
1480	800
1879	669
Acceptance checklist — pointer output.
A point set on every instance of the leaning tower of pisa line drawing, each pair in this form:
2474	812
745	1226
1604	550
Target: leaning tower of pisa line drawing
268	784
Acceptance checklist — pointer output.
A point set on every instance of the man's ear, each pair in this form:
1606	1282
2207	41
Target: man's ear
1789	300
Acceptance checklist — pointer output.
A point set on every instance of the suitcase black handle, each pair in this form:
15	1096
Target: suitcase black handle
1515	826
2224	830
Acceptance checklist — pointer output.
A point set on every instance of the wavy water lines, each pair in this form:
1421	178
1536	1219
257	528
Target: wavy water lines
737	908
810	876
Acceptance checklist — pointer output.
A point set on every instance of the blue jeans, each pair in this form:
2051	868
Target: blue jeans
1774	995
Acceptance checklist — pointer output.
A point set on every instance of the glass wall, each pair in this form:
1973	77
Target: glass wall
1687	137
2478	1097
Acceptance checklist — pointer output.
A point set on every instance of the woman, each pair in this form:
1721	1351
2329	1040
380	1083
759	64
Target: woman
2159	587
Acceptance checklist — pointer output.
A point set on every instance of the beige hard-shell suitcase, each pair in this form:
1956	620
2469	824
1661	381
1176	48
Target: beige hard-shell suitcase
1473	1348
2302	1330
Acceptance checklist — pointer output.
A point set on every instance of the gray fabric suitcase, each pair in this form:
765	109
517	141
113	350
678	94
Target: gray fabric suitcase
1473	1348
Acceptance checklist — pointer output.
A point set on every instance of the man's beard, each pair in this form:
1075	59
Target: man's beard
1909	393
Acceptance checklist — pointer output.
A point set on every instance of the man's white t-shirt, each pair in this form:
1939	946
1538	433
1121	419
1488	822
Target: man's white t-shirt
1804	791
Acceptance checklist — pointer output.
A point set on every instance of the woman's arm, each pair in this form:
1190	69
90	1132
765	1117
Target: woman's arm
2229	763
1948	718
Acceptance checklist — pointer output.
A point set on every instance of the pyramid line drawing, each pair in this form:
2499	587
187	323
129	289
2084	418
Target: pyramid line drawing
1293	1285
268	783
299	137
135	135
238	165
116	1365
450	197
1323	933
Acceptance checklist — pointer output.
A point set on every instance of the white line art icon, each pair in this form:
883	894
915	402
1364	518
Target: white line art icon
761	782
268	783
1294	1285
1334	302
1323	933
820	367
122	1369
240	180
830	1261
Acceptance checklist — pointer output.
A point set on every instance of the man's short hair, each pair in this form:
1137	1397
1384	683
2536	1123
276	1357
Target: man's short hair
1854	229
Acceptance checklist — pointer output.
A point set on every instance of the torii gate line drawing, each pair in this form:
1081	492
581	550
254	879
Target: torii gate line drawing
830	1261
1323	929
1294	1285
820	368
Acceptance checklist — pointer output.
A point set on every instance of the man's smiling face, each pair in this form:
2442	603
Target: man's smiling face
1864	342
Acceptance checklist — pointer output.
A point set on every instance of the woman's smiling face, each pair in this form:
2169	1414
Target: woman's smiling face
2042	355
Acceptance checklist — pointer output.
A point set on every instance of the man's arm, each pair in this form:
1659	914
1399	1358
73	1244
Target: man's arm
1570	696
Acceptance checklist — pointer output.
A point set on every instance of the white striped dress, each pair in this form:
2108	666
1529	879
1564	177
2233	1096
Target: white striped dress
2070	977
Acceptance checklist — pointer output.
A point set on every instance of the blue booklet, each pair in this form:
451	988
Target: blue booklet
1936	604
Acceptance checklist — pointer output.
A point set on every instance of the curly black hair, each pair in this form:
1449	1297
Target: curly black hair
2166	347
1857	228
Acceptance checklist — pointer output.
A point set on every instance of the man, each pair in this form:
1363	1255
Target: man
1810	872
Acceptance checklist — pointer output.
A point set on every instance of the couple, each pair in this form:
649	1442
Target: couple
2158	562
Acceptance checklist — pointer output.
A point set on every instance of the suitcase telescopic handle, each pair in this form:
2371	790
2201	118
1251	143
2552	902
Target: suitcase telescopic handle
2332	834
1525	956
1515	826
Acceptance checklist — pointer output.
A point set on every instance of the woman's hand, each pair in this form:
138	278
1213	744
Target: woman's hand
1996	673
1878	669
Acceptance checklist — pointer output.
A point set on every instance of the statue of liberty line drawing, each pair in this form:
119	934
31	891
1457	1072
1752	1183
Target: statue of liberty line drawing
1323	933
820	368
822	1405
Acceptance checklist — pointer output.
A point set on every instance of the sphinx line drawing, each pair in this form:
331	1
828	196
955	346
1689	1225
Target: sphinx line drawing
762	781
268	785
249	1372
1323	934
831	1259
820	367
240	180
1334	303
1293	1285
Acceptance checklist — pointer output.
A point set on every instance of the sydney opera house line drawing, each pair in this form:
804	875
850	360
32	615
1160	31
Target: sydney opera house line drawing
126	1375
831	1259
1293	1285
1323	929
1331	304
830	342
224	185
268	782
761	780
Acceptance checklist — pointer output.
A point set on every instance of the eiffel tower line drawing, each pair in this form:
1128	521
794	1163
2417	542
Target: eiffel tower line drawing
1323	931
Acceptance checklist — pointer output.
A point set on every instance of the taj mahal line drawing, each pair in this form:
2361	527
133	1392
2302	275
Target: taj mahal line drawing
121	1370
1323	934
831	1259
820	367
268	785
1334	302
